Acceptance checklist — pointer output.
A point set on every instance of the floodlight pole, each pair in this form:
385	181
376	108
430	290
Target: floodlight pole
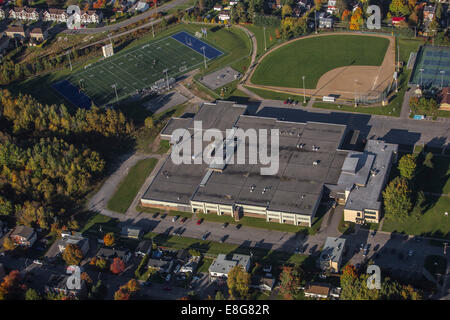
204	56
442	72
265	45
167	78
421	80
355	95
115	89
304	90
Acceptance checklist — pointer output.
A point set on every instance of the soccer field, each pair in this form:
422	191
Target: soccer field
140	67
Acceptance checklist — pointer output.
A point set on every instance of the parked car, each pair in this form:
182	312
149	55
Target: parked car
366	250
297	250
174	218
147	284
224	225
183	220
168	277
238	226
222	240
164	216
177	268
410	252
155	215
205	235
37	262
199	221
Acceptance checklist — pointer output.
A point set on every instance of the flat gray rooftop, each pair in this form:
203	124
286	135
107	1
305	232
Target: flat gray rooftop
309	158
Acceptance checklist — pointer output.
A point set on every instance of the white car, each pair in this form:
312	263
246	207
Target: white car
168	277
38	262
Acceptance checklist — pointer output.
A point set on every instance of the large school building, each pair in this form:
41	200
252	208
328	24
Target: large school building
312	168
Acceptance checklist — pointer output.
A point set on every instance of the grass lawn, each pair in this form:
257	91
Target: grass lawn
432	223
346	227
96	220
258	31
170	213
214	248
273	95
440	183
315	56
204	264
129	187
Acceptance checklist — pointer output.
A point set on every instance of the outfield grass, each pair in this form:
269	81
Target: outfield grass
315	56
432	223
129	187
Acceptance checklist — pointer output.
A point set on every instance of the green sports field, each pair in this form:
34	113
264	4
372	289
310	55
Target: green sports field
135	69
315	56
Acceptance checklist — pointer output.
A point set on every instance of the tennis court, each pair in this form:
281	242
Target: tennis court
432	67
140	67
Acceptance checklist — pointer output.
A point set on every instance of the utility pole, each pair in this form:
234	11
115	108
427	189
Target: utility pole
204	56
70	63
265	46
304	90
398	57
115	89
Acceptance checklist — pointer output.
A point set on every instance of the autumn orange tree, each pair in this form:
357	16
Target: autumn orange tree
356	20
72	255
127	291
8	244
117	266
109	239
12	287
289	281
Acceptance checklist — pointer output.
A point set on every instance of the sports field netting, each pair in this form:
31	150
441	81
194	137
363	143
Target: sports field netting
135	69
435	65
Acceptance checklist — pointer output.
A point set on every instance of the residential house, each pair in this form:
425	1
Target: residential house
224	16
191	265
38	34
325	23
143	248
110	254
221	266
161	265
429	13
396	21
317	290
3	13
131	232
76	239
25	13
16	32
331	255
182	256
142	6
262	283
331	6
91	16
23	236
445	99
58	283
55	15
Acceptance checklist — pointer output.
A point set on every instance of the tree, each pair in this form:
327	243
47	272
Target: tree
418	209
122	294
407	166
346	15
117	266
72	255
149	124
356	21
12	287
127	291
109	239
32	294
428	161
317	4
286	10
289	281
6	207
219	295
396	196
241	12
341	7
399	8
238	282
8	244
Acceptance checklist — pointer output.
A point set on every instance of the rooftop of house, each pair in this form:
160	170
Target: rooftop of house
144	246
15	29
111	253
317	289
332	250
23	231
222	265
445	95
131	231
